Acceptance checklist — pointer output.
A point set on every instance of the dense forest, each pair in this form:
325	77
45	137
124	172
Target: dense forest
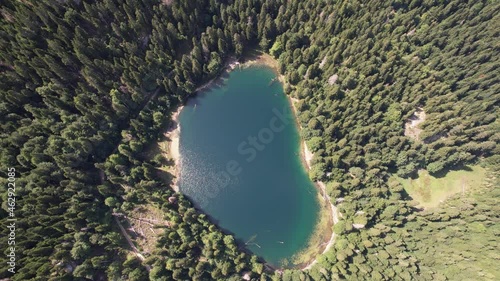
87	86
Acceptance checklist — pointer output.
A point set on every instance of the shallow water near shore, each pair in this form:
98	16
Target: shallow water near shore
241	164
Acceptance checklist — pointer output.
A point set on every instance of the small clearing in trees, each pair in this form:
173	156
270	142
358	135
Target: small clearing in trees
322	64
333	79
145	225
411	126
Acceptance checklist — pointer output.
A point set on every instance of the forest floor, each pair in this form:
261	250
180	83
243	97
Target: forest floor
430	191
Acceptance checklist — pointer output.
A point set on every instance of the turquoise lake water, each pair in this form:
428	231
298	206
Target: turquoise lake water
241	164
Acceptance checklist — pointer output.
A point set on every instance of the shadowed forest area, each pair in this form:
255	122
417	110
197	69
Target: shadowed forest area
87	87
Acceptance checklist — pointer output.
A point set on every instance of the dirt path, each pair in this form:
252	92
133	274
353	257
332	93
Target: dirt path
131	244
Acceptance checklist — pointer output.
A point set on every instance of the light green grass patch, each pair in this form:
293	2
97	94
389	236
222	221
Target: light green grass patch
429	191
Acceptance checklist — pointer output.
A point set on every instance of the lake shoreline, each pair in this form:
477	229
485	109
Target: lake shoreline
173	135
307	157
323	230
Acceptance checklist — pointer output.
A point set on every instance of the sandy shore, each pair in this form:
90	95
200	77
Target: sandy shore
173	134
267	60
308	155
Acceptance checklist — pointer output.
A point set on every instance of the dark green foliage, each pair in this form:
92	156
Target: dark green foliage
86	87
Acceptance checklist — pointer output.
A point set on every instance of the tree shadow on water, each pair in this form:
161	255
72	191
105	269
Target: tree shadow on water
242	245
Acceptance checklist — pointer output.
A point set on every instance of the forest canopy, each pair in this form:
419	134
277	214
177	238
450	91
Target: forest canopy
87	86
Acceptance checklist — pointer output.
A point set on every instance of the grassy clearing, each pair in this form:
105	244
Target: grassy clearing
429	191
163	149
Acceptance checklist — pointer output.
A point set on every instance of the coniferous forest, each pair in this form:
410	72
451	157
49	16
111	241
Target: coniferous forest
87	86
